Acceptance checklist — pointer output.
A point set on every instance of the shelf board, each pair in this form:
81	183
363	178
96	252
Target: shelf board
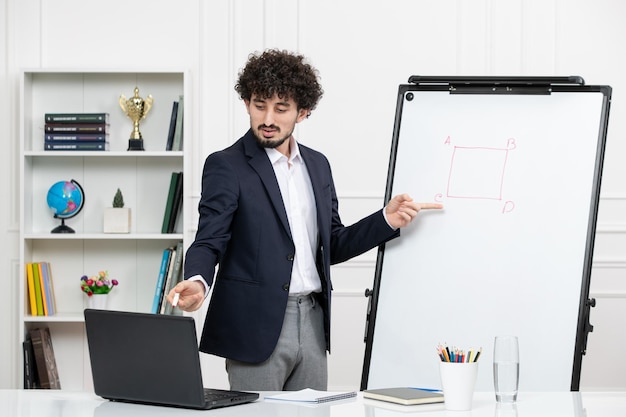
57	318
107	70
103	236
107	154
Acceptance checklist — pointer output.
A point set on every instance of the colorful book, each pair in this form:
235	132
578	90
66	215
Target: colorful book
404	395
176	277
44	296
77	118
77	128
169	203
168	271
37	285
178	132
31	379
76	137
172	129
168	280
45	359
158	290
54	299
176	204
47	285
76	146
30	284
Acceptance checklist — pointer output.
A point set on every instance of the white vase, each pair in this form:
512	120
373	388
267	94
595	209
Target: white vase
116	220
99	301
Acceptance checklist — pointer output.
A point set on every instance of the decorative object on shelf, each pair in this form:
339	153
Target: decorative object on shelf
98	301
97	284
136	108
76	131
66	200
98	288
118	199
117	218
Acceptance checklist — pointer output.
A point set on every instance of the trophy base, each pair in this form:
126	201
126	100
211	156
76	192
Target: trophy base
135	145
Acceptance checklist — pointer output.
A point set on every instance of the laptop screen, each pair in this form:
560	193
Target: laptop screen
145	358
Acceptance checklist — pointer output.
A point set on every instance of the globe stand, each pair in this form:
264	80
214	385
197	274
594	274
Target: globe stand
62	228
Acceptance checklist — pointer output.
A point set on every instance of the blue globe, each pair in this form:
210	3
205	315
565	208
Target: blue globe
65	199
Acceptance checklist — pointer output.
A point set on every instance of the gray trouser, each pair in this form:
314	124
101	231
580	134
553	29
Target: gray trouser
299	359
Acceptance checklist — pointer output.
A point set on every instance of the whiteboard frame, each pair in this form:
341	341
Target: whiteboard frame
504	86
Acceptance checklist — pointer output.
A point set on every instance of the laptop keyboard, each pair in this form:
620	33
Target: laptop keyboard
216	395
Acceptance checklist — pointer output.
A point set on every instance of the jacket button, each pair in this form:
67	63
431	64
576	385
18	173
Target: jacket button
286	287
290	257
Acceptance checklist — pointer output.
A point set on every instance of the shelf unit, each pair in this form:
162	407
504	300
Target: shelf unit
143	177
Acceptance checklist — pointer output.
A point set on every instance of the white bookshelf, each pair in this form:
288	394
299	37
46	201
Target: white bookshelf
143	177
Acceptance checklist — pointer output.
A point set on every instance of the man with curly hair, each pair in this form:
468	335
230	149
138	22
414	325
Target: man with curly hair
269	218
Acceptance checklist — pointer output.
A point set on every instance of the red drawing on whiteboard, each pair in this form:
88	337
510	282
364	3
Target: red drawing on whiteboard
478	173
508	207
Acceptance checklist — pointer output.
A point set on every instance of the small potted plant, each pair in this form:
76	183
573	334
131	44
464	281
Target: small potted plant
117	218
98	288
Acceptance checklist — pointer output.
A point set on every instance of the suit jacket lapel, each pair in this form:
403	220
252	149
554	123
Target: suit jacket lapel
318	182
259	161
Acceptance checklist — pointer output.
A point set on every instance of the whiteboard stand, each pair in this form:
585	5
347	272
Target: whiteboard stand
517	163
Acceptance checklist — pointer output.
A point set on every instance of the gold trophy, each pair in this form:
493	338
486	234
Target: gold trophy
136	108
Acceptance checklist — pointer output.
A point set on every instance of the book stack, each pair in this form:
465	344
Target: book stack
40	289
40	369
175	132
170	274
76	132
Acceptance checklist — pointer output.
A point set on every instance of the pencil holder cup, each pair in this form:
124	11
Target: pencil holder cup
458	380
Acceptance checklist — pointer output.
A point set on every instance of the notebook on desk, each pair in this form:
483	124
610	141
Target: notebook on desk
151	359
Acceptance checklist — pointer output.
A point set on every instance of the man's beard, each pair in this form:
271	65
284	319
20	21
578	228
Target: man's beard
270	143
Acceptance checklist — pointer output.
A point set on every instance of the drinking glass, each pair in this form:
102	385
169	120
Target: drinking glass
506	368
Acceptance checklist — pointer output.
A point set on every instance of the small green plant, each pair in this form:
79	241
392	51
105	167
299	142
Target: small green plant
118	200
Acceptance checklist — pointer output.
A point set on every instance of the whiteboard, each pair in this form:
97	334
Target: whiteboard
510	253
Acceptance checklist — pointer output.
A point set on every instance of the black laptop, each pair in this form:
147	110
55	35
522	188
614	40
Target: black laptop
151	359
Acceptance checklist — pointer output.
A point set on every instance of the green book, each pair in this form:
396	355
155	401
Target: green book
177	203
171	194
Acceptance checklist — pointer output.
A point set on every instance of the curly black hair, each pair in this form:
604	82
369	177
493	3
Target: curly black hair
283	73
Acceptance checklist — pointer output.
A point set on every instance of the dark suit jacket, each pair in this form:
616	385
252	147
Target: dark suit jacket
243	228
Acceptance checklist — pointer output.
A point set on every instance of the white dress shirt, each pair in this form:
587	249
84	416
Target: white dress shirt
297	192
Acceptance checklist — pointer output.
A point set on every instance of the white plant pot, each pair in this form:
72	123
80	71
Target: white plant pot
99	301
116	220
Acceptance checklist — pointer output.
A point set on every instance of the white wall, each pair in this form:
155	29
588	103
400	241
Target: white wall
363	49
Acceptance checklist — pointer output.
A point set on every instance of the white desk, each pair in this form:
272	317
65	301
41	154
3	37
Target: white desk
46	403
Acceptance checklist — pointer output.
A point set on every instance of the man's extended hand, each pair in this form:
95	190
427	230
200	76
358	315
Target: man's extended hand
191	295
402	209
